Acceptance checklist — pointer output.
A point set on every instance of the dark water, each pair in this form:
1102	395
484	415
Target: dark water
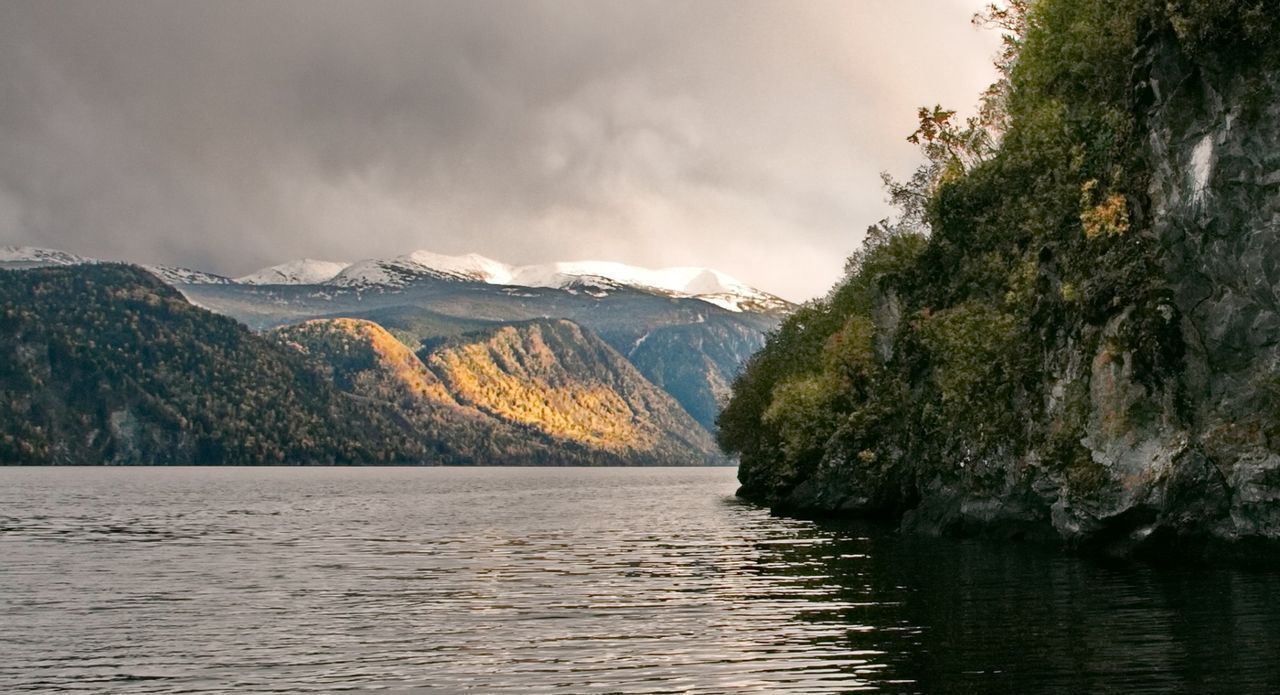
568	581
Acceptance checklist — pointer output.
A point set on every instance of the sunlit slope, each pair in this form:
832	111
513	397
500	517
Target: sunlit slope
687	346
568	383
535	393
362	356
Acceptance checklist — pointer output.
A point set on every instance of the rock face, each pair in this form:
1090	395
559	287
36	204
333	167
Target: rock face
1214	157
1194	459
1189	458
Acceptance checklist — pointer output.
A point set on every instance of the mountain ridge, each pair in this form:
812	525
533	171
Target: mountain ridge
106	364
302	271
705	284
689	347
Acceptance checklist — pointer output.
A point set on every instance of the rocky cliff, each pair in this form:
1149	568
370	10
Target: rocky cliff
1087	346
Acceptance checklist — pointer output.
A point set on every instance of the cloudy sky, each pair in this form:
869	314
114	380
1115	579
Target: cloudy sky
226	135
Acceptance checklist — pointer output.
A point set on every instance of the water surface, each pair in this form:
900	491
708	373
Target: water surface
503	580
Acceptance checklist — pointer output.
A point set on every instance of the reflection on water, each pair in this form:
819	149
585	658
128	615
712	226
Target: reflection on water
568	581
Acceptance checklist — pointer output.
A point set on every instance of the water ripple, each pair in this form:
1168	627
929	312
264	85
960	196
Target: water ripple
566	581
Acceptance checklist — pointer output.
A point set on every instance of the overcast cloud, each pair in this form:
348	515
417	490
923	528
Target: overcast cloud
228	135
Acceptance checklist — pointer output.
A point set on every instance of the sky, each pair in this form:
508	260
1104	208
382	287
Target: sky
743	135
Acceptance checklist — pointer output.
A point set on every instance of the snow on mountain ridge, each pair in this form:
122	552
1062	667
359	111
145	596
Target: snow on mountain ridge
22	257
35	256
686	281
472	266
173	275
303	271
403	270
595	277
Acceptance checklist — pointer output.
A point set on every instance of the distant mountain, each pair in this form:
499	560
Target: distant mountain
173	275
596	277
22	257
688	330
402	271
557	378
103	363
700	283
688	346
304	271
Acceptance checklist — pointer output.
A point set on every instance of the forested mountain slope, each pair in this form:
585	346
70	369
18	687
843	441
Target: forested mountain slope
106	364
688	346
557	378
687	329
542	392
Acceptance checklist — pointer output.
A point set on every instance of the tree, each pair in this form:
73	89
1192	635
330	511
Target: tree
952	148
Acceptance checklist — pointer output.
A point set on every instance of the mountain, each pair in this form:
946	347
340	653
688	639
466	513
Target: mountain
173	275
594	277
685	344
304	271
543	392
706	284
103	363
598	277
22	257
1086	347
404	270
688	330
557	378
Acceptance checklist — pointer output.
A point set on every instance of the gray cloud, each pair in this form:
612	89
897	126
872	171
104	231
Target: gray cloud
741	134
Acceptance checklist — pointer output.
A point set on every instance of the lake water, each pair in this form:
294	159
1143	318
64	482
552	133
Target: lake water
578	580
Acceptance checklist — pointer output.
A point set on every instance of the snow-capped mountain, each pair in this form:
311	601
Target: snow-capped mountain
174	275
596	278
404	270
304	271
687	330
701	283
706	284
21	257
18	257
